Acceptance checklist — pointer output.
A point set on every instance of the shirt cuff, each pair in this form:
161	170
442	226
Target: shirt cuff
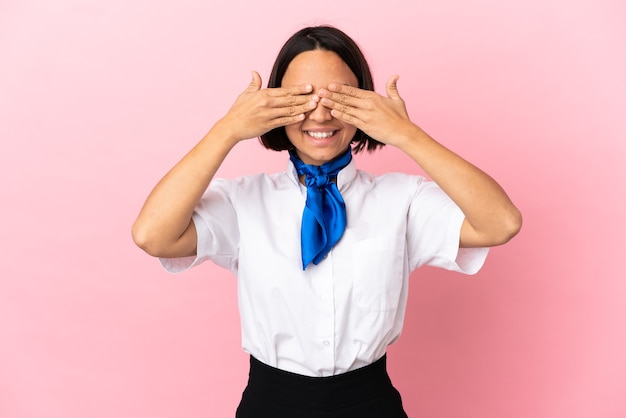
181	264
465	260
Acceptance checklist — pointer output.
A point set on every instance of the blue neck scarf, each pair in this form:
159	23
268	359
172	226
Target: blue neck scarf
324	216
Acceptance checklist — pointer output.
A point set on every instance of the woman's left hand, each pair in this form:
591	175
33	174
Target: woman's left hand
490	216
382	118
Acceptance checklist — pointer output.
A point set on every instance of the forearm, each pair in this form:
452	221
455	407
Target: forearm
491	217
163	227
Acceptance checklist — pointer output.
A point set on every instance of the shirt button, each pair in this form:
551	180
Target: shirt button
326	343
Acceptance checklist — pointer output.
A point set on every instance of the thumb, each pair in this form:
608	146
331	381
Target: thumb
255	84
392	88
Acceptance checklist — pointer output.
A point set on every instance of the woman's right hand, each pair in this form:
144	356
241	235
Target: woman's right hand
164	227
257	111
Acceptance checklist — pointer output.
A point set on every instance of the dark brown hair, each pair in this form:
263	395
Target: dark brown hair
326	38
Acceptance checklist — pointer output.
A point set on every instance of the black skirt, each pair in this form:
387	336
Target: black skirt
364	393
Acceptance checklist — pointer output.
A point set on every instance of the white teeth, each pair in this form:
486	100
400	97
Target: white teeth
321	135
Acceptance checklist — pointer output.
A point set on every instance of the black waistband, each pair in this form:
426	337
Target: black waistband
291	389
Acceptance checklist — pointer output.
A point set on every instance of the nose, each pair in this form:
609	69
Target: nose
320	114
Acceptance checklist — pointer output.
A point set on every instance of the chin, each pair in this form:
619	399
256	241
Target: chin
321	156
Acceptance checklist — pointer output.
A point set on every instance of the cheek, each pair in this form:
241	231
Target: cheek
350	131
292	130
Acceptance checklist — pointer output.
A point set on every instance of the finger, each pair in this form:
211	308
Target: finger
349	91
347	118
350	97
285	120
294	110
392	88
294	100
272	112
343	111
290	91
255	84
341	106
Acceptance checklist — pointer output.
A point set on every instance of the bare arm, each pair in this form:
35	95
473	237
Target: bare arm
490	216
164	227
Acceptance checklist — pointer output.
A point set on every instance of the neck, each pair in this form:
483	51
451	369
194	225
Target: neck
294	155
302	179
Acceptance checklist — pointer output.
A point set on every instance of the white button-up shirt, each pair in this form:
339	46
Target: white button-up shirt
341	314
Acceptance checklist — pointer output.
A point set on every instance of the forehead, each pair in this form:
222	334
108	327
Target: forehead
319	68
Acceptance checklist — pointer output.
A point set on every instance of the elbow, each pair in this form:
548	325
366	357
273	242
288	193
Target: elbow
144	239
497	229
500	231
511	225
150	238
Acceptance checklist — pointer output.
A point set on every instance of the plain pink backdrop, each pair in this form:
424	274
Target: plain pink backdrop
99	99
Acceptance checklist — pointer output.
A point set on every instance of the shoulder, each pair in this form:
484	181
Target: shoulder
253	184
391	180
389	191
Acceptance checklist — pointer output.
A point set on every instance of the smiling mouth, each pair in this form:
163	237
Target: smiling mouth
321	135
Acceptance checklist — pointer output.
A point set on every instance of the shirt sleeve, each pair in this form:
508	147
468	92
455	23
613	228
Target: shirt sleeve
434	232
215	220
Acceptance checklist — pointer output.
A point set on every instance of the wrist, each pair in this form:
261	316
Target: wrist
408	136
221	133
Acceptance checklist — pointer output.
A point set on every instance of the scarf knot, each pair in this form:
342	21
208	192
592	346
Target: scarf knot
324	216
320	181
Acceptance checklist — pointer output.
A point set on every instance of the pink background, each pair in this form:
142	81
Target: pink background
99	99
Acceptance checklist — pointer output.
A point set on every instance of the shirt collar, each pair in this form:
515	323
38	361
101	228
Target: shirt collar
344	178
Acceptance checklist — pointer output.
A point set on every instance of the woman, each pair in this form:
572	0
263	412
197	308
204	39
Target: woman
323	251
